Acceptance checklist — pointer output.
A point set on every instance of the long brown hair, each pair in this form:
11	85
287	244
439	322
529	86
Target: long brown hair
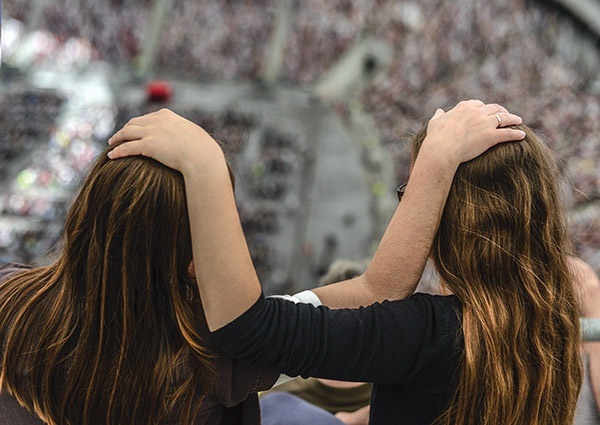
109	332
502	250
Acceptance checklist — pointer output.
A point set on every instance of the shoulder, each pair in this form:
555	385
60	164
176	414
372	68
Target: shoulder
438	302
434	341
436	318
435	306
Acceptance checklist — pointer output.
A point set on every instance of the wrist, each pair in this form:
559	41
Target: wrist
435	151
434	167
205	162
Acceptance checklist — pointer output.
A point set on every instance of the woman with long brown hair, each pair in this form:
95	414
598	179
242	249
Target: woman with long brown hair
501	347
111	332
502	250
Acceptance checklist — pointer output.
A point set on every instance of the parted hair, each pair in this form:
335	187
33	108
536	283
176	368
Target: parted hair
109	333
502	249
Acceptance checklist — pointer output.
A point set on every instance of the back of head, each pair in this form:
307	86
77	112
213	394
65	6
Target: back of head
129	220
121	315
501	248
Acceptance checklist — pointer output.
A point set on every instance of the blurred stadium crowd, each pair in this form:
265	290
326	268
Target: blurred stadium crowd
528	55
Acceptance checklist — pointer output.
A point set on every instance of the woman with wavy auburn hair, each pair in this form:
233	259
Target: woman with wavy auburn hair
502	250
110	332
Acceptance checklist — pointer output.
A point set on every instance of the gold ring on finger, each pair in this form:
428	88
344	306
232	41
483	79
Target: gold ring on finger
499	120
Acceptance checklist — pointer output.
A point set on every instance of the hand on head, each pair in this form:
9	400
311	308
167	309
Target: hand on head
168	138
469	129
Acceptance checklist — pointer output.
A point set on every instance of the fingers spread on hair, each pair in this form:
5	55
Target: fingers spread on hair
129	148
127	133
509	135
509	119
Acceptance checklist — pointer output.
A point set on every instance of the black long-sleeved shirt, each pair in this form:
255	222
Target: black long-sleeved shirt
409	349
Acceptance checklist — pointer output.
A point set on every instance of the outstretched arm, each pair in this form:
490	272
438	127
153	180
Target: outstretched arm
453	137
227	280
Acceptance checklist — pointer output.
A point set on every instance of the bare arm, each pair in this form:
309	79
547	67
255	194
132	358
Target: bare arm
398	263
400	258
227	280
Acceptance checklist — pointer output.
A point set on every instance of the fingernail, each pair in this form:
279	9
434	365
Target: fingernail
110	154
521	133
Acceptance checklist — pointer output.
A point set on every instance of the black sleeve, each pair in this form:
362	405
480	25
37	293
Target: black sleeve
391	342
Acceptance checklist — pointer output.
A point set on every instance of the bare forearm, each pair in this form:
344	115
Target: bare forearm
459	135
227	280
400	258
349	293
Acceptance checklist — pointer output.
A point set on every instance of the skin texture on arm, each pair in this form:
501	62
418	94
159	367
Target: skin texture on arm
398	263
227	281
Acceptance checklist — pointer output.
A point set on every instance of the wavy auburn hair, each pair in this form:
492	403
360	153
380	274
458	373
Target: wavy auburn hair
502	249
109	332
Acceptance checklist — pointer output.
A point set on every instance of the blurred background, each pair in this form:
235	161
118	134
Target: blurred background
314	100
